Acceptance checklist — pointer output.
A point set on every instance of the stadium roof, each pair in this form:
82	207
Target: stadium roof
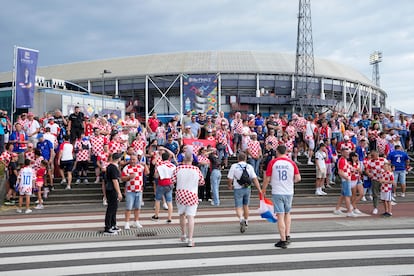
195	62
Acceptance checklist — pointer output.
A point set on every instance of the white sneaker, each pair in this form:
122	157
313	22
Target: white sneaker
104	202
357	211
127	227
351	214
63	181
393	203
37	202
78	181
67	187
310	163
39	207
85	181
393	198
323	193
337	212
363	198
317	192
19	211
402	194
375	211
97	181
165	206
28	211
137	224
370	197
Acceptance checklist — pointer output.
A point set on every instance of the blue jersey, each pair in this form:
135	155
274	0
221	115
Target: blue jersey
398	159
45	147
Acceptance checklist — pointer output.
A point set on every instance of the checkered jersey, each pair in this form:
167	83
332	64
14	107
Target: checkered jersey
381	145
97	143
375	167
221	136
82	154
30	155
36	164
123	140
373	134
300	124
344	166
291	131
187	179
135	184
289	144
156	158
274	140
237	126
5	157
139	145
114	146
104	128
355	173
389	178
254	149
203	159
103	158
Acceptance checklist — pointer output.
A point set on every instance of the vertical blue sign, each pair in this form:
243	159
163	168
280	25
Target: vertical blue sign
26	65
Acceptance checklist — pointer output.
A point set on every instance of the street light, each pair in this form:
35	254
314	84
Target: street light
105	71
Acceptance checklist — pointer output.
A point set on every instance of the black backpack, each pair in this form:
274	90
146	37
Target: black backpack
244	180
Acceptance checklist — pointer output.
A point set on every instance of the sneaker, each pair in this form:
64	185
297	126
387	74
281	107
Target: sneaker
104	202
190	243
332	183
281	244
63	181
169	221
242	226
78	181
183	238
323	193
375	211
28	211
310	163
110	232
329	186
154	218
37	202
165	206
39	207
370	197
126	226
19	211
52	188
288	240
393	198
200	200
351	215
402	194
319	193
116	228
393	203
137	224
386	215
357	211
85	181
209	200
337	212
67	187
97	181
363	198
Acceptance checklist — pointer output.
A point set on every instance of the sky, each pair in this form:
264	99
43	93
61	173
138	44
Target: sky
346	31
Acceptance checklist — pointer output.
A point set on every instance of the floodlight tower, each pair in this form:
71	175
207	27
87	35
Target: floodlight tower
304	66
374	59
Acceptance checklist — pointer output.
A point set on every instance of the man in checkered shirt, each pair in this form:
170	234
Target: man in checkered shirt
97	142
374	171
187	179
133	175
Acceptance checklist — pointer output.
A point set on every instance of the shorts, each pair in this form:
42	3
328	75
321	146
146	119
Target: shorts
187	210
282	203
165	191
94	160
353	183
321	174
399	177
39	184
133	200
20	158
237	138
311	144
242	197
299	139
25	190
82	165
386	196
67	166
346	188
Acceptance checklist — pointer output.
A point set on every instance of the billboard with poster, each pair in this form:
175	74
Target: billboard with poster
200	93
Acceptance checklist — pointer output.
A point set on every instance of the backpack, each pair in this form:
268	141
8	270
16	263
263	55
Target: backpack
244	179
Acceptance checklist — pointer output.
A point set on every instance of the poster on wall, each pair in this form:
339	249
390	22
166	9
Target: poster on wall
200	93
25	76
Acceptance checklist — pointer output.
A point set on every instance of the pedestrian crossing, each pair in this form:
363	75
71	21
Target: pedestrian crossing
89	221
367	252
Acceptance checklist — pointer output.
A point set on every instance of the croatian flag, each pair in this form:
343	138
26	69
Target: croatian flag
266	209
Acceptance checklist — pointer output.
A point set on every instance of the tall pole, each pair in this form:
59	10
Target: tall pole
105	71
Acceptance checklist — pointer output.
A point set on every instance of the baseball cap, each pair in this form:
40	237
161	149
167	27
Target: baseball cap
40	135
346	137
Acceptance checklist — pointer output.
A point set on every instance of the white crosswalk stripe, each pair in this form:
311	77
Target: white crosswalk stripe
382	252
46	222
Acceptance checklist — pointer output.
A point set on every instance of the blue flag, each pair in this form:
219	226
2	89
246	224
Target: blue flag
26	65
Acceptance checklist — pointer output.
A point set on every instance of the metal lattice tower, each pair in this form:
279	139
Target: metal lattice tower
374	59
304	67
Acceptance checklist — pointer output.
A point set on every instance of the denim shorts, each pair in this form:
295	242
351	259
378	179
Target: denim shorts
282	203
399	177
242	197
165	191
346	188
133	200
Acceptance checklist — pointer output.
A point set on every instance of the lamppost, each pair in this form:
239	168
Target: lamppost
105	71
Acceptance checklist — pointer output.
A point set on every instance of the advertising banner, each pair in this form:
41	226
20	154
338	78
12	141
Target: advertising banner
200	93
25	76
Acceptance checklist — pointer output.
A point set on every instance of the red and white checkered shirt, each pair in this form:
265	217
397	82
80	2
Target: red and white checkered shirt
156	158
97	143
221	136
114	146
373	134
82	154
375	167
389	177
381	145
103	158
135	184
5	157
274	140
254	149
291	131
139	145
203	159
36	164
187	179
300	124
289	145
344	166
354	173
105	128
30	155
237	126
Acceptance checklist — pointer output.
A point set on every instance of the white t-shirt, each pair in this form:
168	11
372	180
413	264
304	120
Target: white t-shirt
31	126
320	157
282	172
236	171
67	151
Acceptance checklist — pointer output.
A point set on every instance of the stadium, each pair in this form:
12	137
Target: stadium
210	81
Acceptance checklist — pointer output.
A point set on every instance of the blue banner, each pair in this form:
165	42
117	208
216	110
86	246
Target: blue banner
200	94
26	65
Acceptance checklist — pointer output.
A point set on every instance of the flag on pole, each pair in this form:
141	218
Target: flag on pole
25	76
266	210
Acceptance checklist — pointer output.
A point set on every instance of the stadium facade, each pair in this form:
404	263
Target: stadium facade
211	81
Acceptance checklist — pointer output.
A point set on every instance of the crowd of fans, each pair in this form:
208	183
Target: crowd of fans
64	146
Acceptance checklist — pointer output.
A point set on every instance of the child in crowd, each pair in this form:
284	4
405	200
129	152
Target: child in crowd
320	157
160	134
40	181
386	189
25	180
